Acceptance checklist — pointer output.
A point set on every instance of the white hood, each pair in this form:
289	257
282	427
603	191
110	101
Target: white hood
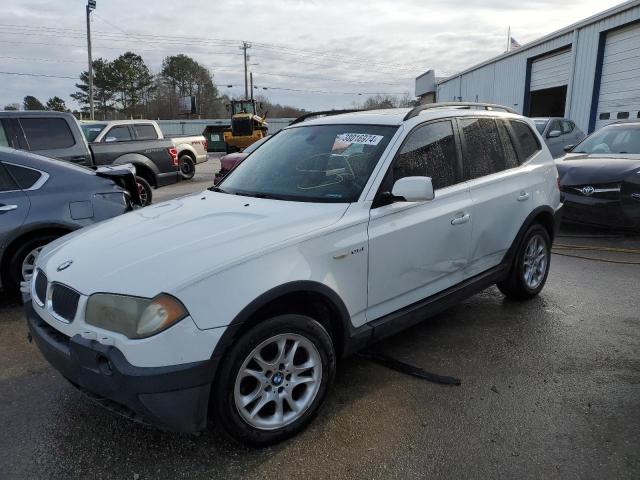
164	247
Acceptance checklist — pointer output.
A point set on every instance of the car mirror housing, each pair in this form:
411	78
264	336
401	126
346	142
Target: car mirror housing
568	148
554	134
414	189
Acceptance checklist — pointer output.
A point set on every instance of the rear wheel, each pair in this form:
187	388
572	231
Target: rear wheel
530	266
187	167
273	380
144	190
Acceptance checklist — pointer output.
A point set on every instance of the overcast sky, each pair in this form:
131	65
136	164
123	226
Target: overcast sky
344	47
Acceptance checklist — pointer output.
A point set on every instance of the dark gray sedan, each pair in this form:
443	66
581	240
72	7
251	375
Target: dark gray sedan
42	199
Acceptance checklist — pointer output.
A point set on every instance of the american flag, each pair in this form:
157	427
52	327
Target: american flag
513	43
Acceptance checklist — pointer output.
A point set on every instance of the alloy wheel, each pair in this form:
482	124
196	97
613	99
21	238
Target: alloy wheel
29	263
535	262
278	381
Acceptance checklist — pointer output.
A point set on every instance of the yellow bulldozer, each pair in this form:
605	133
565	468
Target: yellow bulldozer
246	125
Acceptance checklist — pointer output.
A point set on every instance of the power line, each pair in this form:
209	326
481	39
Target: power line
37	75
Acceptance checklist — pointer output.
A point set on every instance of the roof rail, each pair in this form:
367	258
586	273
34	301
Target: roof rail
325	113
463	105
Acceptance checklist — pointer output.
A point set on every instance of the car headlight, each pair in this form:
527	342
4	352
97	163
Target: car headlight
134	317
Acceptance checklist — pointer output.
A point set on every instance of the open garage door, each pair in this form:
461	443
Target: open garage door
548	85
620	81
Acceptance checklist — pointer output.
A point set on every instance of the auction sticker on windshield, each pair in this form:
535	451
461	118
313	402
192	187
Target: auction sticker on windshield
360	138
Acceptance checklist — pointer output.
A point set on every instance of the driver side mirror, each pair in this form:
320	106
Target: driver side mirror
568	148
554	134
414	189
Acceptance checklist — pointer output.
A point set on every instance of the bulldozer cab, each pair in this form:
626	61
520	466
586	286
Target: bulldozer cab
243	106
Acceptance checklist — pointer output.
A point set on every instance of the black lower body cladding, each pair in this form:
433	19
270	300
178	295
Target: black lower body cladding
173	398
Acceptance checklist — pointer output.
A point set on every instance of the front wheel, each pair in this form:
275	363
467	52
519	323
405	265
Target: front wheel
144	190
273	380
21	265
530	266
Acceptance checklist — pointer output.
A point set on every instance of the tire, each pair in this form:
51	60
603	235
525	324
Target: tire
28	251
187	167
525	281
145	191
232	387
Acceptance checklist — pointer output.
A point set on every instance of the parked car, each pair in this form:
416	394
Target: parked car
558	133
42	199
58	135
229	161
600	178
192	149
307	251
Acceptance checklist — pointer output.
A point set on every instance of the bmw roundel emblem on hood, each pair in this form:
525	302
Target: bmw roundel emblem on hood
64	265
587	191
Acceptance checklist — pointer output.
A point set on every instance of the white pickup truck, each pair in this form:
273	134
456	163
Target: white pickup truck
192	149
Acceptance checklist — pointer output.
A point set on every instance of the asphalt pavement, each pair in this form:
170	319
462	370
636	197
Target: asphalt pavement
550	389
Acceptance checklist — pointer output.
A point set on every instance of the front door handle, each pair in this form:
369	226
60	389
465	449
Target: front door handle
7	208
523	196
460	219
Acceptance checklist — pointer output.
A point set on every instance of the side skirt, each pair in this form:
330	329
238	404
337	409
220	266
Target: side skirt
411	315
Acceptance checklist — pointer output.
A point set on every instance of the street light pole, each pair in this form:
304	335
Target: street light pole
91	5
244	47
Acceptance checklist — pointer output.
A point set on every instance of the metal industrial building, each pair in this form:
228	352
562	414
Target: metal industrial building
589	72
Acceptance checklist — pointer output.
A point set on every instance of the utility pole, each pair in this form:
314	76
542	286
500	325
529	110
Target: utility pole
251	82
91	5
244	47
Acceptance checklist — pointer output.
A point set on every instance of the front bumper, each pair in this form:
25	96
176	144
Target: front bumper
598	212
173	398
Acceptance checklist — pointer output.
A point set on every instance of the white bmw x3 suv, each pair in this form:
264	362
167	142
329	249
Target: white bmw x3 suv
233	304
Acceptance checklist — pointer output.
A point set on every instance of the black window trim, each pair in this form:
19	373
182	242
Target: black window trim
516	143
44	176
11	179
459	172
127	126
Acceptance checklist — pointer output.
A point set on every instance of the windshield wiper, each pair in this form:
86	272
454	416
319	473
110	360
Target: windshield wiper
258	195
217	189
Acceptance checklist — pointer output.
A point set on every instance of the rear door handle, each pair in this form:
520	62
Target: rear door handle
7	208
523	196
460	219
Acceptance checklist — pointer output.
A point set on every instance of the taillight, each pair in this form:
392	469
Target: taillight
206	146
173	153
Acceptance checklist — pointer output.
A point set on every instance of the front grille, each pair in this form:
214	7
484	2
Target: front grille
64	302
241	126
41	287
602	191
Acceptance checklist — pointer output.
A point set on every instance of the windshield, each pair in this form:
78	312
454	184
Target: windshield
540	124
243	107
92	130
614	139
323	163
255	145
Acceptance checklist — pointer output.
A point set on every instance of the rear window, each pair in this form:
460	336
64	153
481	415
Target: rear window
92	130
526	141
145	132
483	152
47	133
6	182
24	177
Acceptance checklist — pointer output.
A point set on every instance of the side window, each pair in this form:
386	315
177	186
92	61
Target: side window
24	177
144	131
567	126
510	155
428	151
47	133
526	142
483	153
555	125
6	182
4	141
118	134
